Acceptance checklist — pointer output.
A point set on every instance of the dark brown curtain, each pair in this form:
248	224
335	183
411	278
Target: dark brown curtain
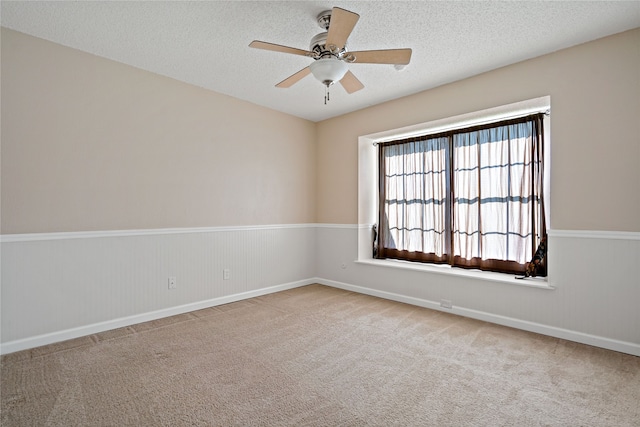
472	198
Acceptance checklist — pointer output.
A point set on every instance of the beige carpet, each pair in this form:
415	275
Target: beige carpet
318	356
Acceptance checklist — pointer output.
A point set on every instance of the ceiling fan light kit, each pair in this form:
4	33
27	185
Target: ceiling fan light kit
328	70
330	55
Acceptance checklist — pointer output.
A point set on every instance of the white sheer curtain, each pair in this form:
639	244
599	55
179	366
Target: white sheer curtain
497	209
416	200
472	197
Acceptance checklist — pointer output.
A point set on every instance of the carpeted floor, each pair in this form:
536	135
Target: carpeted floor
318	356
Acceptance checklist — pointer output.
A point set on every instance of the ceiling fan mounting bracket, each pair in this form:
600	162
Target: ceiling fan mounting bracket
324	19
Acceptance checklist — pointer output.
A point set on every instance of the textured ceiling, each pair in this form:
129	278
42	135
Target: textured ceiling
206	43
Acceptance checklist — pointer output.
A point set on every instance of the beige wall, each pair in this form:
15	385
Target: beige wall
595	131
91	144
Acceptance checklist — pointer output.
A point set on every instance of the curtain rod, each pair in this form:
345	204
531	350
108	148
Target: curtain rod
546	112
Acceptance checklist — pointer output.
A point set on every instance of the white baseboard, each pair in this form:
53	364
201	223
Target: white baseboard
59	336
597	341
45	339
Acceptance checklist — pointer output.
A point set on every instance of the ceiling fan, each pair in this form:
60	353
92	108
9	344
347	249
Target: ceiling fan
328	49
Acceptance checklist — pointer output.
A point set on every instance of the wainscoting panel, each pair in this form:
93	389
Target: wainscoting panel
591	295
64	285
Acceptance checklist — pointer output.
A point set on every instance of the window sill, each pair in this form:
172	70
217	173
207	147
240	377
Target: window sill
532	282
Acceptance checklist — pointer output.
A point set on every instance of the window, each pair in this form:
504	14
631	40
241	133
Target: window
470	197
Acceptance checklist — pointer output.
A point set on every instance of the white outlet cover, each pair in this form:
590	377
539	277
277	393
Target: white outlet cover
445	303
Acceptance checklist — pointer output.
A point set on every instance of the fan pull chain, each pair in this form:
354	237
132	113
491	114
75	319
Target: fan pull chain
326	95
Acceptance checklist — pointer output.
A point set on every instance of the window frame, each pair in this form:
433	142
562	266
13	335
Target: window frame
447	144
368	201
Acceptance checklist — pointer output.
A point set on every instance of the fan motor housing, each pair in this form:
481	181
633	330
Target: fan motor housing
318	43
319	48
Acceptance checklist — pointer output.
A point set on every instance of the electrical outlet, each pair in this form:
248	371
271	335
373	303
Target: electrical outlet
445	303
226	274
172	282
